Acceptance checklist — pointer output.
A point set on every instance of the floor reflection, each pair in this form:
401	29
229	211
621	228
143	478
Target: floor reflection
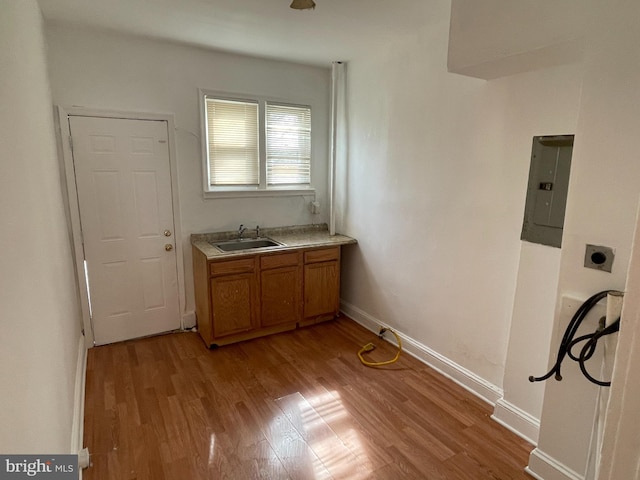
212	449
322	438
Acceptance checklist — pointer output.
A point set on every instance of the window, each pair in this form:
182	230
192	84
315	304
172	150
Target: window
288	145
256	145
232	139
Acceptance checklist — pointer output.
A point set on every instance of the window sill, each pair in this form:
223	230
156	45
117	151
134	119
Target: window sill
255	193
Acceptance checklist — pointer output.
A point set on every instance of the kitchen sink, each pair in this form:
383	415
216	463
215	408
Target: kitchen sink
245	244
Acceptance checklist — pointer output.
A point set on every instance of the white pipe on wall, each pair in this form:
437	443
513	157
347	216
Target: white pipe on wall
332	151
338	120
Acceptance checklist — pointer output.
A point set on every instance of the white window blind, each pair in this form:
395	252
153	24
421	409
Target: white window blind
232	136
288	144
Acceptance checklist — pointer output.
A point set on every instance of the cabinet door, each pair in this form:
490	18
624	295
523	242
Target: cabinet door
321	289
280	296
233	303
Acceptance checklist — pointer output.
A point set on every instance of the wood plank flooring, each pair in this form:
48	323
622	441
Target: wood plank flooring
297	405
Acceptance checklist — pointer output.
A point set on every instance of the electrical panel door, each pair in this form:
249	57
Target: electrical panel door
547	189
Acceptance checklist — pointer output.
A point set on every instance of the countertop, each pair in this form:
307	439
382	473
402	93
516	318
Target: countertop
291	238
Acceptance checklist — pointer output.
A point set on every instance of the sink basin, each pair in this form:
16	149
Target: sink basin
245	244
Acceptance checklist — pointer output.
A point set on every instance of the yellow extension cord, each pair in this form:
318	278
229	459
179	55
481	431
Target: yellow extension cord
370	346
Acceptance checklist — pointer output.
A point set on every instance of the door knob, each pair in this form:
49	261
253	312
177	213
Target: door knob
168	247
167	233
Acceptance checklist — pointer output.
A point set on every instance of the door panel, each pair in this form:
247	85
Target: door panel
123	181
321	289
145	188
280	296
153	287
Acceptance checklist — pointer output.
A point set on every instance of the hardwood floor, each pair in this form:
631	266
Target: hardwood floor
297	405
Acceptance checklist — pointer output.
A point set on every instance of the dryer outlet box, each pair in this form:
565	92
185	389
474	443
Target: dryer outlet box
599	257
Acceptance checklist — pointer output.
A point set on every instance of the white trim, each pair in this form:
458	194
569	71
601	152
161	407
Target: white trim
620	441
518	421
544	467
77	427
528	471
74	219
468	380
189	319
177	220
74	210
271	192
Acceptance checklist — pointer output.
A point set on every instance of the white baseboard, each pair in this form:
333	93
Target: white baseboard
544	467
518	421
188	320
77	428
468	380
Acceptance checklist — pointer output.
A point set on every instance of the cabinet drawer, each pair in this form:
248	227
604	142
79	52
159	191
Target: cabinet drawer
279	260
233	266
323	255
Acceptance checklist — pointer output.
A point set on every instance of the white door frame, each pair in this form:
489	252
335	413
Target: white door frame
621	439
63	114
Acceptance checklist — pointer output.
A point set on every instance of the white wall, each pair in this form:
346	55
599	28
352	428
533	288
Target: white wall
105	71
435	193
434	205
542	102
39	311
601	209
494	38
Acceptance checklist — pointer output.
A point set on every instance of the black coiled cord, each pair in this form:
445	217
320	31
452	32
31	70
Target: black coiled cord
588	349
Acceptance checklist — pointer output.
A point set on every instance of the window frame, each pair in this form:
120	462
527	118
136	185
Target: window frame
262	189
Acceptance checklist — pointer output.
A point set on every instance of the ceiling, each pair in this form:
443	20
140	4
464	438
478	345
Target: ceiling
337	30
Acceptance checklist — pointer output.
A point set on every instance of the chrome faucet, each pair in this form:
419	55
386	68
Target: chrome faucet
257	231
241	230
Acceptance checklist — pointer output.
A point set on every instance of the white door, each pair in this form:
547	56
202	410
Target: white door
123	180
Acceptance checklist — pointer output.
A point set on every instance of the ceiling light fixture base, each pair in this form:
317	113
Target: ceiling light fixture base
303	4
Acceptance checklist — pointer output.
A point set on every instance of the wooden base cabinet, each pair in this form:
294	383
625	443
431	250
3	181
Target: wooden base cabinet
249	297
233	299
280	289
226	296
321	284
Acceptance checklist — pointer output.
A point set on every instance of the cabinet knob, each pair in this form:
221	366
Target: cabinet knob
167	233
168	247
